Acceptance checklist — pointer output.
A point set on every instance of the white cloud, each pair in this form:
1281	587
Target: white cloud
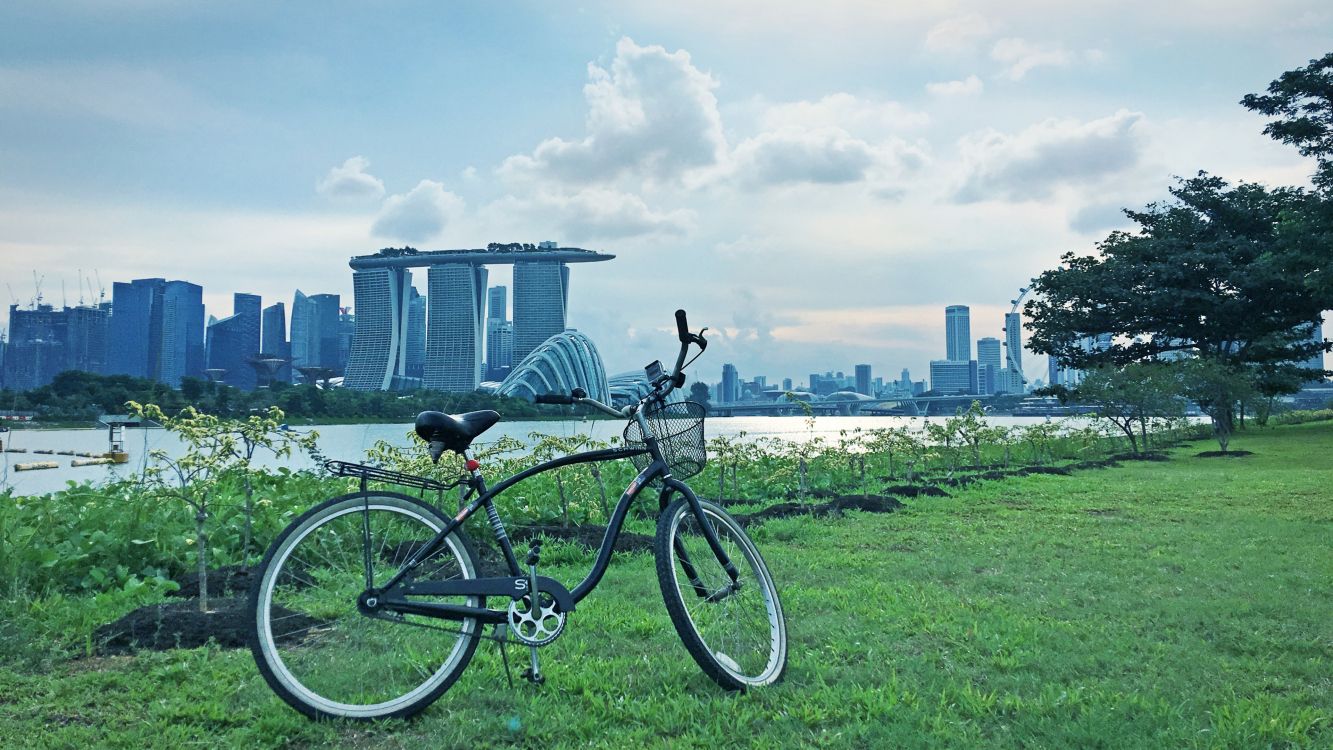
419	215
958	34
595	213
825	155
1031	164
351	182
652	113
966	87
1020	56
843	110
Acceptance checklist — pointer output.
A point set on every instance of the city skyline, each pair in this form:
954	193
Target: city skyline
814	190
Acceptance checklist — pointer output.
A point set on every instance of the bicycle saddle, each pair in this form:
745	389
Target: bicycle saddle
453	432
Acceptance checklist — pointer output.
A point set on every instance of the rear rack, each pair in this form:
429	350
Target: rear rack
377	474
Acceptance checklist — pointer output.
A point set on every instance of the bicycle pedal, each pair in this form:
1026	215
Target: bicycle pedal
539	679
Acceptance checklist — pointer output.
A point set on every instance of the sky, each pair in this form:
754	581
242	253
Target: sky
813	181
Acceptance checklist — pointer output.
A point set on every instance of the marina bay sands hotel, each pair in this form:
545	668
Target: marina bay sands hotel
455	310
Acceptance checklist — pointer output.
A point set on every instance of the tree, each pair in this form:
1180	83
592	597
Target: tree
1212	275
1302	100
1131	396
699	392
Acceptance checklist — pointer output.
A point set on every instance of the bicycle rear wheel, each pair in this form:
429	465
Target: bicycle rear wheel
314	646
735	632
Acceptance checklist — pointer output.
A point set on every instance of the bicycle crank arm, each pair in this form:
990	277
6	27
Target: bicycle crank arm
514	588
442	611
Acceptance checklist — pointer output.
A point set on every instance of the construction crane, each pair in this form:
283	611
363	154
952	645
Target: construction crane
1011	358
37	285
101	290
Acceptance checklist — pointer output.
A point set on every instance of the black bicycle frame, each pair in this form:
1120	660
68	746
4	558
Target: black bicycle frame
486	499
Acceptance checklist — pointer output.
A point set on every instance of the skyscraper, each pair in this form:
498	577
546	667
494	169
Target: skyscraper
953	377
156	330
415	367
957	333
541	289
305	346
379	348
274	341
457	304
326	317
499	334
731	384
989	380
1316	361
1013	353
863	380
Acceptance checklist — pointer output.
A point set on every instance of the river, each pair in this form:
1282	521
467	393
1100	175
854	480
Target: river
349	442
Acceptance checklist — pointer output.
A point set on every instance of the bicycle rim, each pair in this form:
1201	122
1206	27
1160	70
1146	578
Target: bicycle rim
322	654
741	637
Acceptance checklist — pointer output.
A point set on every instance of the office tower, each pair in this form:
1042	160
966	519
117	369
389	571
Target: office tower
905	380
131	329
156	330
1054	372
415	364
1014	381
346	332
953	377
731	384
989	369
273	340
249	309
957	333
379	348
457	303
36	349
327	325
863	385
304	345
499	334
786	385
540	291
814	382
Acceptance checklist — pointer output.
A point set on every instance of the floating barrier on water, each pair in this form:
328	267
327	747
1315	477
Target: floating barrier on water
34	465
91	461
16	450
66	453
45	451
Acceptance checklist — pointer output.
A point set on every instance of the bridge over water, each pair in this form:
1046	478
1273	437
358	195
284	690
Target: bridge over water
908	406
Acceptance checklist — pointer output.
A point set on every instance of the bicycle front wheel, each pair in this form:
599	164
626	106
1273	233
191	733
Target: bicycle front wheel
734	630
313	645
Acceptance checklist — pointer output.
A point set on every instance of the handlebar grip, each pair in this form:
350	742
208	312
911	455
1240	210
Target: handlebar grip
552	398
682	327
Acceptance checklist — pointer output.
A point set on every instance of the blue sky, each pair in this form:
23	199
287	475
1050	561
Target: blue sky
814	181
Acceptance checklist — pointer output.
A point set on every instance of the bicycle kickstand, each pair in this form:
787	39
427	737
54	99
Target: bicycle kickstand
533	673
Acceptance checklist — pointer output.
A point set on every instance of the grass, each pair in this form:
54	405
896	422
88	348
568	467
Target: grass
1161	604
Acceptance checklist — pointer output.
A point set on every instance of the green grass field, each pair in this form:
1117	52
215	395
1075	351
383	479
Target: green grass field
1186	603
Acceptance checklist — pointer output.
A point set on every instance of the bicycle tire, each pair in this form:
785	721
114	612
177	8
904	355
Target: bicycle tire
713	632
303	575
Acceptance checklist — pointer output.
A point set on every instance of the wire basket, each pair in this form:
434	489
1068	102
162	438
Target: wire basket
679	429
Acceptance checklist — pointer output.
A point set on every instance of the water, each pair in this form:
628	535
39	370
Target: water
349	442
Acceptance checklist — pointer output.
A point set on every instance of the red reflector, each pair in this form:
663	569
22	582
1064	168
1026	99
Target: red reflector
472	464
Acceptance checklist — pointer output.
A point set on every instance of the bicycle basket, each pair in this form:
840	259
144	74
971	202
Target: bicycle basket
679	429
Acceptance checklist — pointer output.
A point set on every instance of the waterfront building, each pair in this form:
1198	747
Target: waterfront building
156	330
786	385
225	350
863	384
379	348
346	332
302	346
731	384
957	333
273	339
950	377
1316	360
415	365
457	304
565	361
989	376
541	290
326	329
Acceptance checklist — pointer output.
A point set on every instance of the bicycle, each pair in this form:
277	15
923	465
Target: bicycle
349	604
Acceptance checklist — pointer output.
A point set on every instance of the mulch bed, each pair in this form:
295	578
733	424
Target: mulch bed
231	580
866	503
1223	454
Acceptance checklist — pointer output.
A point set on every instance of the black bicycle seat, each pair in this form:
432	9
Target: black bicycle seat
455	431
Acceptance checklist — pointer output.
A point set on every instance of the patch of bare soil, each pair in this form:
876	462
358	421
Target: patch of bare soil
181	625
867	503
1223	454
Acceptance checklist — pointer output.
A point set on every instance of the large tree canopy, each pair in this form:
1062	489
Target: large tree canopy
1302	100
1220	273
